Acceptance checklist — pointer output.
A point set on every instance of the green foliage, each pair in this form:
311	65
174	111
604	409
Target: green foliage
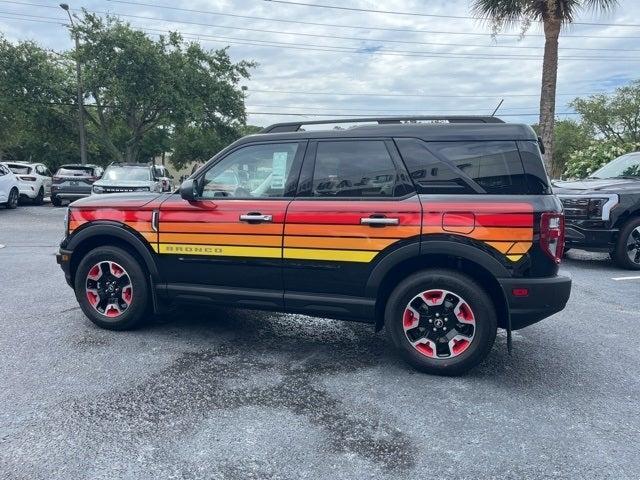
34	123
139	84
569	137
615	117
584	162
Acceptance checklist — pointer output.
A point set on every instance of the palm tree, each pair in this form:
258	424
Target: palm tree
553	14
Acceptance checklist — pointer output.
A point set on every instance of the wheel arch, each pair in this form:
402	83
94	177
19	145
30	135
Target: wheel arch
460	258
108	233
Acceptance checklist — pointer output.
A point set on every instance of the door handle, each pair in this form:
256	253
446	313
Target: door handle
256	217
379	221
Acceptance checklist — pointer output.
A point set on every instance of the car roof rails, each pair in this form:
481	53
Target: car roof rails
295	126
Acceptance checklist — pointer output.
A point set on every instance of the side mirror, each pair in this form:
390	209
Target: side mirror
188	190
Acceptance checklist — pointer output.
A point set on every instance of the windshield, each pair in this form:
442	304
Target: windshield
127	173
625	166
74	172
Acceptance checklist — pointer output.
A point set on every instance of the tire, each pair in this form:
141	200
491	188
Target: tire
12	201
39	199
477	321
627	251
92	289
56	201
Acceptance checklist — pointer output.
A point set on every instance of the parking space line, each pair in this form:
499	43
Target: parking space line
617	279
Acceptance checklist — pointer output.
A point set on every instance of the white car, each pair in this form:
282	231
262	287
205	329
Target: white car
9	187
34	178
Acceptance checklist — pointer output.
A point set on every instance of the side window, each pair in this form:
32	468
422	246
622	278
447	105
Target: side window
2	171
495	166
360	168
254	171
40	169
430	174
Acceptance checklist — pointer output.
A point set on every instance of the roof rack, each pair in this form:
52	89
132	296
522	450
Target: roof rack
295	126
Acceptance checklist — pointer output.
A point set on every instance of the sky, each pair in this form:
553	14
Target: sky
317	62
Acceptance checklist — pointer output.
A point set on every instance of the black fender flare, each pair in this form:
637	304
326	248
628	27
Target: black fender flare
120	231
432	247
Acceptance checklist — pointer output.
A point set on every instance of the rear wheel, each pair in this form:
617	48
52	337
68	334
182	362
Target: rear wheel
12	201
39	199
112	289
627	251
56	201
442	322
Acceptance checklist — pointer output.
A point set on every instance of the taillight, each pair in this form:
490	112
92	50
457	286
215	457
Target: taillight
552	235
27	179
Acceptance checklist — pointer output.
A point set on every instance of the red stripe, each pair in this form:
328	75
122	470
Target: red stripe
110	214
347	218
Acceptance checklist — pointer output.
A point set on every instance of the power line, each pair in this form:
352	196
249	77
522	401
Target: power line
348	115
416	14
363	51
417	95
380	110
332	25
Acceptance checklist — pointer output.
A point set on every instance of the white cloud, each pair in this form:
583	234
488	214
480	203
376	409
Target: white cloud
311	70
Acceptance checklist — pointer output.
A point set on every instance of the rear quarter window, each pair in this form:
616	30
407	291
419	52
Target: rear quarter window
492	167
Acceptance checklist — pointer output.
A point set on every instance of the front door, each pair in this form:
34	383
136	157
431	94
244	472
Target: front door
227	245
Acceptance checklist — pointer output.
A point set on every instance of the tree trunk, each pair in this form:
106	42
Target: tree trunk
548	91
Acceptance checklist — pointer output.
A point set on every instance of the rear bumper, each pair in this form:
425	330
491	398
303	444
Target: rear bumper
579	236
545	297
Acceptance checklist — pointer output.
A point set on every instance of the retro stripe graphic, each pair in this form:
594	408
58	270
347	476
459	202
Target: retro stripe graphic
507	227
332	230
319	229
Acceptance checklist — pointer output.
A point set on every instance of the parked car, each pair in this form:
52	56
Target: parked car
440	232
165	178
73	181
128	177
603	210
9	187
34	178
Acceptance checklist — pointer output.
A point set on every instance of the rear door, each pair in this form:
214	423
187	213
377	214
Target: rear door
227	245
6	182
355	205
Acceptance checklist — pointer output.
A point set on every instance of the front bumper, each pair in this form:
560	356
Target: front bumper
588	237
63	258
545	297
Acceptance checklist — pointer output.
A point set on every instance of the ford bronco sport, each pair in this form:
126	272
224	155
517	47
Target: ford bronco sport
441	232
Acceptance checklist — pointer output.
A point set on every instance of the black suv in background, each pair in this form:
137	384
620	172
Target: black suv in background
603	210
72	182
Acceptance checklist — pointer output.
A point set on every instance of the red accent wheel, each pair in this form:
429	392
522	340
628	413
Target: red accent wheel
439	324
108	289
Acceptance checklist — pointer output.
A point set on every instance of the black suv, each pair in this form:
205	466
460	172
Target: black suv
441	232
603	211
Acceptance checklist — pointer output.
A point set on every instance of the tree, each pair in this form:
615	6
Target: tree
554	14
614	117
569	136
136	85
36	120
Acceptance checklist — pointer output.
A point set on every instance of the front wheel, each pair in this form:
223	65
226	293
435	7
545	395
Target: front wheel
112	289
441	321
627	251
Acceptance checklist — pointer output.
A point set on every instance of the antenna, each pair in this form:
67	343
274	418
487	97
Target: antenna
499	105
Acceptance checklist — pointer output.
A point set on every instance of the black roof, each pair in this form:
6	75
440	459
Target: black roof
445	132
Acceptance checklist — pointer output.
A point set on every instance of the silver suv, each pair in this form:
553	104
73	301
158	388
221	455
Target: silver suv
128	177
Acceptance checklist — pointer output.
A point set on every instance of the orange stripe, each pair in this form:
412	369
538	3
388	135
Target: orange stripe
151	237
502	247
338	243
209	239
490	233
139	226
520	247
359	231
194	227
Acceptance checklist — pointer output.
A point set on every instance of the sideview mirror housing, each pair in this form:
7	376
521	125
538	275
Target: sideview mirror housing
188	190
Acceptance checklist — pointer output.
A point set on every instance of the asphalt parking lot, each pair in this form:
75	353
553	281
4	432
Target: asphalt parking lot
246	395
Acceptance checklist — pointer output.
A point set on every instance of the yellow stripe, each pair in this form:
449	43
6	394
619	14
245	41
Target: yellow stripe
338	255
219	250
514	258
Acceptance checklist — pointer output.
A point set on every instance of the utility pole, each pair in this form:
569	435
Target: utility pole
80	93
